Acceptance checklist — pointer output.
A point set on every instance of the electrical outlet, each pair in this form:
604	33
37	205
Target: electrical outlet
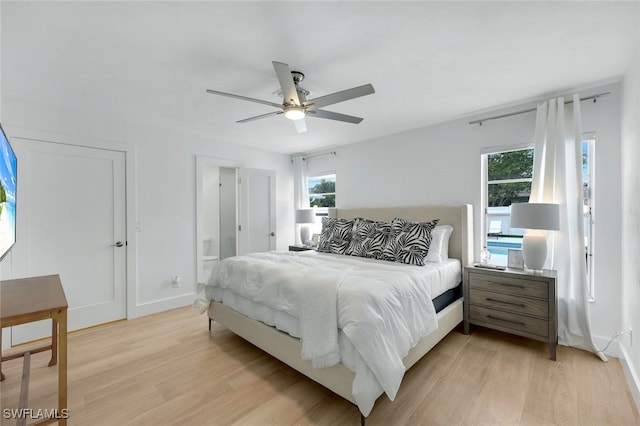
175	281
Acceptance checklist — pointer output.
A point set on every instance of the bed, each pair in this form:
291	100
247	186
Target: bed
282	341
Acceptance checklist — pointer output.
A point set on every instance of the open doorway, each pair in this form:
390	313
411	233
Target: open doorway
235	212
216	213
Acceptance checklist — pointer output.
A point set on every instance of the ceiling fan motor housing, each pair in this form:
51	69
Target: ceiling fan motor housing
297	77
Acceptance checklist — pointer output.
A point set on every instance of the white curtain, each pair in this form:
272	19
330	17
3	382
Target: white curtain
557	178
300	188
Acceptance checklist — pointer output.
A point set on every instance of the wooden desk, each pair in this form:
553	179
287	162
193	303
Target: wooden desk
33	299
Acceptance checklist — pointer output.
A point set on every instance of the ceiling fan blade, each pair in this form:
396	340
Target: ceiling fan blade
244	98
321	113
301	125
286	82
258	117
342	96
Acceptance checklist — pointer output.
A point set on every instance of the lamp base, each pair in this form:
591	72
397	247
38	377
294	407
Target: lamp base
534	250
305	234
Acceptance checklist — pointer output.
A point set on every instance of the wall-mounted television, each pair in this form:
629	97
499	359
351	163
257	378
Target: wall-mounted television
8	175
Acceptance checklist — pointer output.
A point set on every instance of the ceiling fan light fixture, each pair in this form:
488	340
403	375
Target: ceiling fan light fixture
294	113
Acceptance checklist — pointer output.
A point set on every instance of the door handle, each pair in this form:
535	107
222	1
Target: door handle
117	244
273	234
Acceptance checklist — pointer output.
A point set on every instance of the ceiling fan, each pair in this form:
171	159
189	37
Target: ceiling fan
295	105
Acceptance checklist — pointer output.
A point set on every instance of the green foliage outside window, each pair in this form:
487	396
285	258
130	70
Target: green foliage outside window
505	166
323	194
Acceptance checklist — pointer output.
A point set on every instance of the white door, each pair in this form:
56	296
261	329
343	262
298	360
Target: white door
257	210
71	222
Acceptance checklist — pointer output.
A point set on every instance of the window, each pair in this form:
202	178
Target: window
322	191
508	176
322	195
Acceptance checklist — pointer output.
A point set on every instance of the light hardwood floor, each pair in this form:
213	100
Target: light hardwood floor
167	369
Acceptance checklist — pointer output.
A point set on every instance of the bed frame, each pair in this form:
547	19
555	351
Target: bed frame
338	378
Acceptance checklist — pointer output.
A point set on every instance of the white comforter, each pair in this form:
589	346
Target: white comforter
381	309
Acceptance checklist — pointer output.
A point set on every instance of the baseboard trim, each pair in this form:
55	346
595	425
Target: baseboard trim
632	376
164	304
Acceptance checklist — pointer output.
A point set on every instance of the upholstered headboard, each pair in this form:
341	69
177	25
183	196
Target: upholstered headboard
460	216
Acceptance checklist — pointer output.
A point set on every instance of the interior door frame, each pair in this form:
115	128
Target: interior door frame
203	161
130	155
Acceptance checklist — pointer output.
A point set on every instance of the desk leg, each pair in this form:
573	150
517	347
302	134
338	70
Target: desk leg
54	342
61	318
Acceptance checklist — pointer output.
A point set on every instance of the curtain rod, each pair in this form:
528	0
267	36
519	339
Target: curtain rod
305	158
495	117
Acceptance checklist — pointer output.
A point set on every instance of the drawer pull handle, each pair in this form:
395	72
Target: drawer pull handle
506	320
520	305
507	284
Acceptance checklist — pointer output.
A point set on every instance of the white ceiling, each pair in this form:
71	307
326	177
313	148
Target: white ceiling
148	63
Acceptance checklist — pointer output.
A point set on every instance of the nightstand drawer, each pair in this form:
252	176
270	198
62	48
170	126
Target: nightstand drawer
509	302
521	323
506	284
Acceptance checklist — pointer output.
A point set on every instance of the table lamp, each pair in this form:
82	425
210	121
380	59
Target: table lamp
536	218
304	217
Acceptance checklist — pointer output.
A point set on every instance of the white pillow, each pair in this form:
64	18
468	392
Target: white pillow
439	248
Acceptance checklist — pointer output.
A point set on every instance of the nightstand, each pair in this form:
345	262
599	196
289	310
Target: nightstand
514	301
299	248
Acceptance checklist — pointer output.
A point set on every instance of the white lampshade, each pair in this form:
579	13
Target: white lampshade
305	216
535	216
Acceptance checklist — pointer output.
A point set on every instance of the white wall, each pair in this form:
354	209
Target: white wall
165	204
631	219
165	187
441	164
161	160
